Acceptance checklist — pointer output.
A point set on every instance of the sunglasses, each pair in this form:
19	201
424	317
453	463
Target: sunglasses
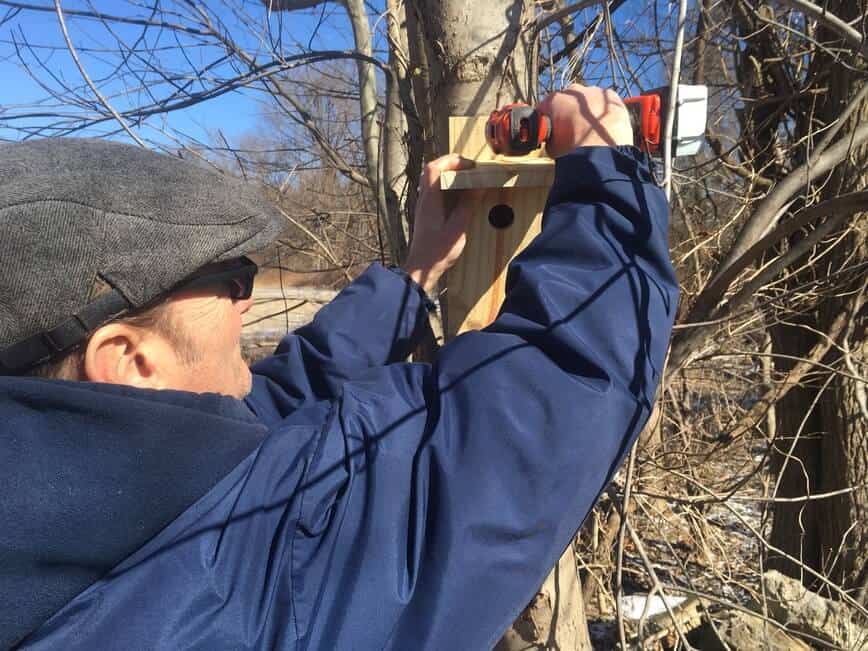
237	276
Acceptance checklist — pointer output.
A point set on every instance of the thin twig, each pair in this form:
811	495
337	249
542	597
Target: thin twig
74	54
674	80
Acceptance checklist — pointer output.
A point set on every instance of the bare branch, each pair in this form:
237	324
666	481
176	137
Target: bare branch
850	34
96	15
794	376
674	80
768	212
556	16
581	37
837	210
87	78
292	5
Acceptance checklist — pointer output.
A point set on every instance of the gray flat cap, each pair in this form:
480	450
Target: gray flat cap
75	213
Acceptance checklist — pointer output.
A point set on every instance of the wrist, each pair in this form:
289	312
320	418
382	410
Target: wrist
426	277
429	303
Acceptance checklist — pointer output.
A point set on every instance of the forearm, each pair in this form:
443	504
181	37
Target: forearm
598	279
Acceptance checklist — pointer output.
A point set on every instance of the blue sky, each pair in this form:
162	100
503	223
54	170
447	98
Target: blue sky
235	113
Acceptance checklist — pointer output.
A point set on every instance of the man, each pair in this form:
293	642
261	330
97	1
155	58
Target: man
350	501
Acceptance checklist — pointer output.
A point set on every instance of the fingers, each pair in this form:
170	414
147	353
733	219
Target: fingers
585	116
581	93
545	106
571	89
453	162
613	97
450	163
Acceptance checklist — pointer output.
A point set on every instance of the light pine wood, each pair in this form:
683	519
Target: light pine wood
532	173
476	284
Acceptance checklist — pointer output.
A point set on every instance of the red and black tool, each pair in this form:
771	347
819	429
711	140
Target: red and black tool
646	117
518	129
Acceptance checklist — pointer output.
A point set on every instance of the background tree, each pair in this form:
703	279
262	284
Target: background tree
823	445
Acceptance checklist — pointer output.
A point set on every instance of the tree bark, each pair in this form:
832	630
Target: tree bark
396	164
476	58
555	618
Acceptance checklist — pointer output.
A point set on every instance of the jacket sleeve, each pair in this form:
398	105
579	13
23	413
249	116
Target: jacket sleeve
376	320
444	494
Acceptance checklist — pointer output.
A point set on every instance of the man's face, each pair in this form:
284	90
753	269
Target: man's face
208	348
191	342
201	347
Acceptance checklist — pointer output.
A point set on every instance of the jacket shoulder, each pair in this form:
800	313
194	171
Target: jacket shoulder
228	554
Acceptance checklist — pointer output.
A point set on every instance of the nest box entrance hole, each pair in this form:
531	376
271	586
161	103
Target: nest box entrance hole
501	216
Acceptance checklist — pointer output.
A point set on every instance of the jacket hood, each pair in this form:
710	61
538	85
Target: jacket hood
90	472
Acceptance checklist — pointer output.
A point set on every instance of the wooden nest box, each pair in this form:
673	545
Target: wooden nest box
514	192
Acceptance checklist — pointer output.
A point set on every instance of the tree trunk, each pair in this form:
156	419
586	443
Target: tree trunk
374	165
476	58
472	58
396	167
555	618
828	414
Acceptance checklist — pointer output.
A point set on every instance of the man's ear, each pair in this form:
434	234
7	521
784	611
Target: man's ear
119	353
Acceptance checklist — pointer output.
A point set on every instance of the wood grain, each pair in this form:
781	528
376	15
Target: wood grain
533	173
476	284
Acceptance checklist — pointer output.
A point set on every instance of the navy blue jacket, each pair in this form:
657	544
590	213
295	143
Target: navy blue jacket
353	503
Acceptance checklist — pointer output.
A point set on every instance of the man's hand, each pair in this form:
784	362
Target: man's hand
585	116
438	237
